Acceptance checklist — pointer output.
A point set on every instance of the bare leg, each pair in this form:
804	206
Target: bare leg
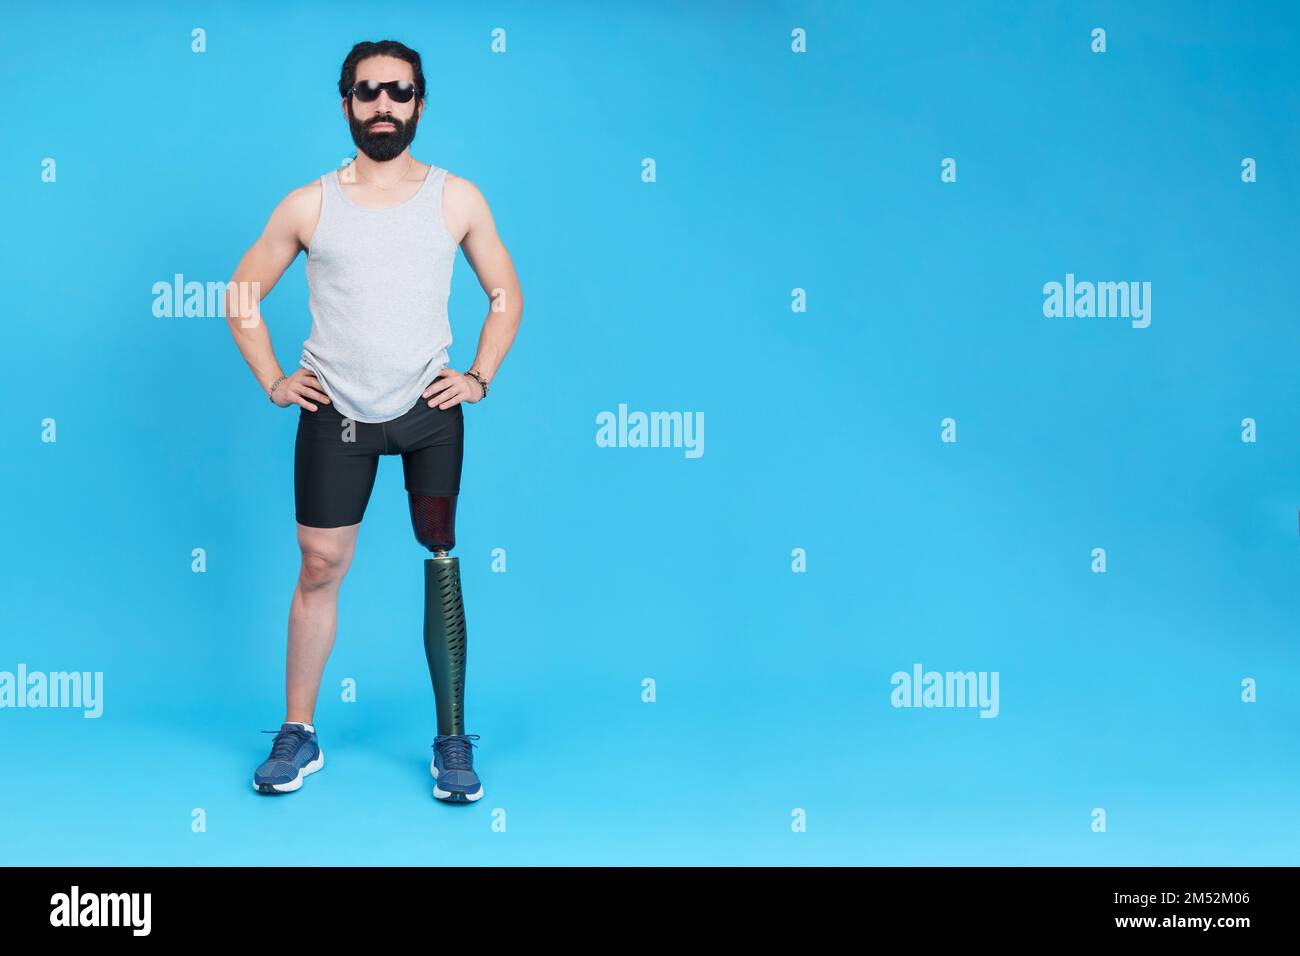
313	615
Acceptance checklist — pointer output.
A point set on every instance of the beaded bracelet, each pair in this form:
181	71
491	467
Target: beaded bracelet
482	384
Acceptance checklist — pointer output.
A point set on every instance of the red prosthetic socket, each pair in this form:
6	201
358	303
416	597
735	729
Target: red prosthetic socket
434	519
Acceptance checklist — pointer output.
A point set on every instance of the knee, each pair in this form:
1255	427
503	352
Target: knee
322	568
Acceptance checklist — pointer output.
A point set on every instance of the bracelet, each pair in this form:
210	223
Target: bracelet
482	384
270	395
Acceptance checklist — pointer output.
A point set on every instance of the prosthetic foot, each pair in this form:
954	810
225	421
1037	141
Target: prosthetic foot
453	769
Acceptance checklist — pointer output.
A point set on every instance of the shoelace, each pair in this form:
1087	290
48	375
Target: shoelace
286	743
455	751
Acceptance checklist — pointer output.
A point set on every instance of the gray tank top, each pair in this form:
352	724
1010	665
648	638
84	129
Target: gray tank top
379	281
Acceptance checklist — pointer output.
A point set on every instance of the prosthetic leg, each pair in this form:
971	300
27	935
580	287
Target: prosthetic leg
434	521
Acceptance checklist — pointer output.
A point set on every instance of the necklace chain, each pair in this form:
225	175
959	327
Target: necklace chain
410	161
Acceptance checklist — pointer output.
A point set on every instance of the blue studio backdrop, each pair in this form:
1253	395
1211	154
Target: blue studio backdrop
986	552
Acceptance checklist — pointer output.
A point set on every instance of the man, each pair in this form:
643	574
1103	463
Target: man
381	239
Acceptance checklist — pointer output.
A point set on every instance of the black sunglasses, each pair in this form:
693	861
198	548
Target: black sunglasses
399	91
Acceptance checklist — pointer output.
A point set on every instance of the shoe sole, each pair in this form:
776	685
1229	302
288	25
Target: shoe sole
453	796
296	782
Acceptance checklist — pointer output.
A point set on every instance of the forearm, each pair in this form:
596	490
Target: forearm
494	341
253	339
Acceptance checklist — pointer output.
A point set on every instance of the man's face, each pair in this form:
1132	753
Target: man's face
382	128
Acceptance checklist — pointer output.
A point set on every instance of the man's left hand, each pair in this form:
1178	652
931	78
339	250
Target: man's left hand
451	387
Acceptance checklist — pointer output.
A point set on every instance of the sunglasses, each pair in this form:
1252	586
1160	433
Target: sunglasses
399	91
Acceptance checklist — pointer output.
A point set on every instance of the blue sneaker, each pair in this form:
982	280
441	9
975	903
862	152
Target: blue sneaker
453	769
294	754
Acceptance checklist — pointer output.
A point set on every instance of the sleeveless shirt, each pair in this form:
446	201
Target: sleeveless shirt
378	284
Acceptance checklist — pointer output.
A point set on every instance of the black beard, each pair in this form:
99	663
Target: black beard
381	147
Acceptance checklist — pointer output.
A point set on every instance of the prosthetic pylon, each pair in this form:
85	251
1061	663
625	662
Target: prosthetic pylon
444	640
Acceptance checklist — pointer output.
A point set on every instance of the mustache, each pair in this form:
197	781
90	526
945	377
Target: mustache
395	123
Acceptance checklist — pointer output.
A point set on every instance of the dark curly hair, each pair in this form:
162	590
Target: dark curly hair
367	49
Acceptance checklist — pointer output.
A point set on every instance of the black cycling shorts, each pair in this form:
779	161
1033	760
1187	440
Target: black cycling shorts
334	468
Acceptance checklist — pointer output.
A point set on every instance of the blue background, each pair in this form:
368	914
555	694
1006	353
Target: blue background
776	171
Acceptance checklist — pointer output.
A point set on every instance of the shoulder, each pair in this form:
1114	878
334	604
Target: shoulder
461	194
463	203
305	198
300	203
296	215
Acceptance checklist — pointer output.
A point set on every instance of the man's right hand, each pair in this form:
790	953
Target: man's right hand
300	388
